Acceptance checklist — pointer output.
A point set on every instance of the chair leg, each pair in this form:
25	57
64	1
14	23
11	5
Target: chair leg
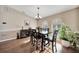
52	48
55	47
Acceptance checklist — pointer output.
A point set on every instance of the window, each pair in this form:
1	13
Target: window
56	23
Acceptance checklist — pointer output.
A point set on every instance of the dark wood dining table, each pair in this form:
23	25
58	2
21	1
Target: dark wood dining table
42	36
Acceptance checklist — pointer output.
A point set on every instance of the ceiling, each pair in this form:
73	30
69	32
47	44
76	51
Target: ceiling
45	10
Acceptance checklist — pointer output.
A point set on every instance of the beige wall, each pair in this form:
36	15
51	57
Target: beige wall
69	17
15	21
78	18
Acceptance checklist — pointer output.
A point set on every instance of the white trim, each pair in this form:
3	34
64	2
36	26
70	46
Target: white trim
8	39
10	30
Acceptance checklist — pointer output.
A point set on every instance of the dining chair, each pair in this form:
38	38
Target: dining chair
51	38
32	36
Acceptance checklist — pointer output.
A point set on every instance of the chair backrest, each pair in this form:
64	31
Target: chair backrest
55	35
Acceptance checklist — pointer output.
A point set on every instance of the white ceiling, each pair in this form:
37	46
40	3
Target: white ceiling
45	10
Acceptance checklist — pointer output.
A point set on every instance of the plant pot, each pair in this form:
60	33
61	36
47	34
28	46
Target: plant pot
65	43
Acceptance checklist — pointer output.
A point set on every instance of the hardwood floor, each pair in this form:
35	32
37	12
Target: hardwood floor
24	46
16	46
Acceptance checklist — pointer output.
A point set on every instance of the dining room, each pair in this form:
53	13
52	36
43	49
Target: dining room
39	29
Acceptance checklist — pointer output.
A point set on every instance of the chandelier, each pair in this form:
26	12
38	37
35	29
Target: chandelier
38	17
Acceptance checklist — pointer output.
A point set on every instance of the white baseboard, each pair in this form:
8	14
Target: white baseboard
8	39
9	30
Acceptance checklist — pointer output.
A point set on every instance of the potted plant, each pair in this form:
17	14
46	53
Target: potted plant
66	35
